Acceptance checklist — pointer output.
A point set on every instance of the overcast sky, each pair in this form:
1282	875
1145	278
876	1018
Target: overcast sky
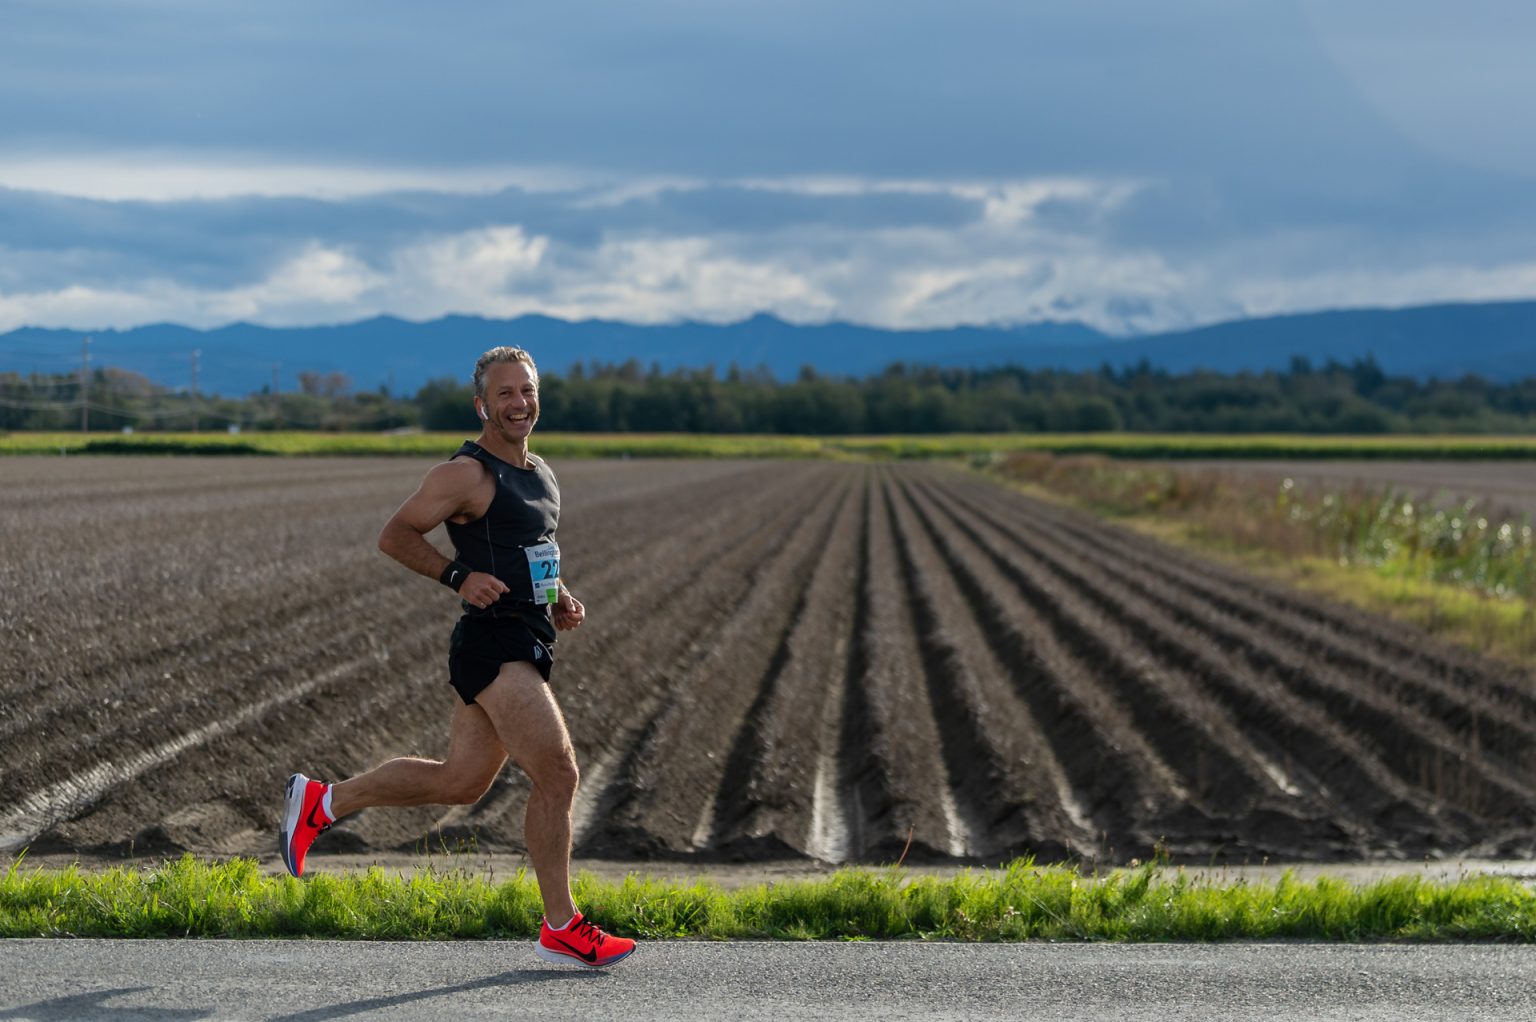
1134	166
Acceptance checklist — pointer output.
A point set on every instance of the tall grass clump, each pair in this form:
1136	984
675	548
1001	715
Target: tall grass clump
1020	901
1387	530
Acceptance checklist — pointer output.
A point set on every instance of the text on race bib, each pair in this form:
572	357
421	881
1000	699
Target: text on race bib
544	571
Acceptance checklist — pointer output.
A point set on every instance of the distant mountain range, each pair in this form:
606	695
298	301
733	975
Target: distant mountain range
1494	340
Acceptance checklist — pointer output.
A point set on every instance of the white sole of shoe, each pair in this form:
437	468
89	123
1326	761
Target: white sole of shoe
291	813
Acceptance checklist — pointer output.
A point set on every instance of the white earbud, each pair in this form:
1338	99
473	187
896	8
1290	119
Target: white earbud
484	416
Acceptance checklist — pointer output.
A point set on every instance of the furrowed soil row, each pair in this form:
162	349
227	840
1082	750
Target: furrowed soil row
1484	713
679	634
671	799
207	795
143	597
325	728
1124	782
321	685
183	601
38	810
1311	730
773	784
1333	629
1410	753
849	787
906	768
1009	785
1440	672
227	674
1419	748
52	702
1234	787
155	583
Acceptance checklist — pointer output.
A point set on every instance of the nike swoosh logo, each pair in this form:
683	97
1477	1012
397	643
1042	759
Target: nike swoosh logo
317	824
590	957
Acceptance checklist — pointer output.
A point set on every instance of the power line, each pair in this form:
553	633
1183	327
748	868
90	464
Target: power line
42	406
61	356
243	414
30	385
22	393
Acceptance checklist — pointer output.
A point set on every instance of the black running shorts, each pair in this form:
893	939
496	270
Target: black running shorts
480	645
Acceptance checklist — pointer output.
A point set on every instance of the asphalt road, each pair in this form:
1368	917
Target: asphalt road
300	981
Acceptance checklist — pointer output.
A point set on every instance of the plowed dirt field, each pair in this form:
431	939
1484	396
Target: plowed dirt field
781	659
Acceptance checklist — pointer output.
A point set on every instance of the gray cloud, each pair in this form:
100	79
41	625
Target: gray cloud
976	88
1122	256
224	242
1136	166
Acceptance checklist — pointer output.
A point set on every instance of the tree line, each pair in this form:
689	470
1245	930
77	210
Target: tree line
1356	397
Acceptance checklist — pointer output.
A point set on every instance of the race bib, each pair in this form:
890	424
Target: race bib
544	570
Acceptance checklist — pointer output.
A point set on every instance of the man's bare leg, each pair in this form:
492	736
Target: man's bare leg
475	756
531	728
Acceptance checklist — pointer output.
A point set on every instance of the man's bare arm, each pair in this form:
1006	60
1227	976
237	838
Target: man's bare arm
447	490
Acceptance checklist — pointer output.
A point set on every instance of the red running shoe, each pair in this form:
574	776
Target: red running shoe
583	944
303	821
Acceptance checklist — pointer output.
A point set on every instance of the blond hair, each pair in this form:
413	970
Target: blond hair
504	353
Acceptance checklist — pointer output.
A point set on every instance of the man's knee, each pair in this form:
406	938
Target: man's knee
557	773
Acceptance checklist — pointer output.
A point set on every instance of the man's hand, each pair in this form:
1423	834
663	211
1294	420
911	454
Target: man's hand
482	589
569	612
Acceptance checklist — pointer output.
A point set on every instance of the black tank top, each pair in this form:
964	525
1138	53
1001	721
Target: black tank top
524	512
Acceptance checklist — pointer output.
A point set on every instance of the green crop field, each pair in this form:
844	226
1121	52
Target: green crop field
690	445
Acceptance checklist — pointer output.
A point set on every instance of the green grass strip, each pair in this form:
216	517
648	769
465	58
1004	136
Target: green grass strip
1022	901
697	445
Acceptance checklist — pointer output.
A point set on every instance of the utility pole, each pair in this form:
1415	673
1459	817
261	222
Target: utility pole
195	353
277	408
85	385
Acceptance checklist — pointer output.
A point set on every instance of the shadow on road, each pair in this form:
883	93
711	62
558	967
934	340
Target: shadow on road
517	978
88	1005
91	1004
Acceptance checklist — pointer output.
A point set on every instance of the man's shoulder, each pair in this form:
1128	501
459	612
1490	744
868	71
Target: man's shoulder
462	462
460	471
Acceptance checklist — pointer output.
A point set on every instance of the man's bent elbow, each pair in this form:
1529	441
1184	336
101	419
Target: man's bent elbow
389	539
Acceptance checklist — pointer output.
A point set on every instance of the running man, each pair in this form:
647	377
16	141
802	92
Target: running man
502	506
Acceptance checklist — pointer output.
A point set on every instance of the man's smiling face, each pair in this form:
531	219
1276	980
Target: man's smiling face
511	401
